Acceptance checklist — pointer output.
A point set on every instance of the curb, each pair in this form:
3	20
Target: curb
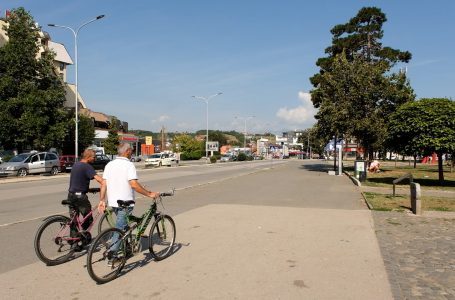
358	183
354	180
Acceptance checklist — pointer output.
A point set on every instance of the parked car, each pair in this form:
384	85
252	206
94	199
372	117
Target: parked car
226	158
135	158
100	162
31	163
5	155
158	160
66	162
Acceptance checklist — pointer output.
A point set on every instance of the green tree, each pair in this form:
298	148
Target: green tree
31	94
86	132
218	136
188	146
112	141
424	127
353	89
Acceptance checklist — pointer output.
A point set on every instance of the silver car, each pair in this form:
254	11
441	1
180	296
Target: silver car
31	163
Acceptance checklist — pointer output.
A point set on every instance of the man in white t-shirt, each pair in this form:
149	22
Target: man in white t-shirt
119	183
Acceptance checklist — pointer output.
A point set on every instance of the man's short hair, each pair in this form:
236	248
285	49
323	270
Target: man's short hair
88	153
122	148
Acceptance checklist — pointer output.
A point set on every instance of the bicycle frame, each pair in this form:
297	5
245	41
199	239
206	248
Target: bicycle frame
141	222
76	219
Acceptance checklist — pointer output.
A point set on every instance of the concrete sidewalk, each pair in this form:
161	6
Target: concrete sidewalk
249	250
255	253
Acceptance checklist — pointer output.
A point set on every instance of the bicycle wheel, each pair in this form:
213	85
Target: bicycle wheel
162	237
104	262
53	242
108	220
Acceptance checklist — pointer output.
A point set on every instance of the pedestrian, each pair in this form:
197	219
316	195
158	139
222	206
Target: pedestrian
119	183
81	175
177	158
374	167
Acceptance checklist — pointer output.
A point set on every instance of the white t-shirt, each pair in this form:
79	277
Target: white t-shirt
117	174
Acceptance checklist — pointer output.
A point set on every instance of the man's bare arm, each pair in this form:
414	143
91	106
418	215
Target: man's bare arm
98	178
141	190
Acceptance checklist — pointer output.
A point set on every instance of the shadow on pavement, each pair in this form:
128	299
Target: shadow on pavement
317	167
147	259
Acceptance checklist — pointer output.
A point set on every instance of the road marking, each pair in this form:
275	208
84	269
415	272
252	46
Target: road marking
263	168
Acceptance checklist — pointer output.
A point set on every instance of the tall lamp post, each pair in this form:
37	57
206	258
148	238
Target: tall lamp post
244	136
206	100
76	102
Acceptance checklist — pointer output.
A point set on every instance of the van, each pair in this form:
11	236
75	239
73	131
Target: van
31	163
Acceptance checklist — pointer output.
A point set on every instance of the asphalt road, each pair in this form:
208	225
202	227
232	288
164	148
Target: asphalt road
25	202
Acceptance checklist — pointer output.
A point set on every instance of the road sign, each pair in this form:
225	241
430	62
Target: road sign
212	146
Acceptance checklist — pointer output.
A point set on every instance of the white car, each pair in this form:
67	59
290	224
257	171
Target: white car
158	160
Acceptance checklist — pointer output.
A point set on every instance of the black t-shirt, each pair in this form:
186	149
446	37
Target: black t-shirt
80	177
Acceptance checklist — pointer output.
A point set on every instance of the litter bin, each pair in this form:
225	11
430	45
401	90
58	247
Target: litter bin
360	170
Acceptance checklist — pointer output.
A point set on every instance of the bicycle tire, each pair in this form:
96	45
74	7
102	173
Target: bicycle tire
52	235
99	254
108	220
162	237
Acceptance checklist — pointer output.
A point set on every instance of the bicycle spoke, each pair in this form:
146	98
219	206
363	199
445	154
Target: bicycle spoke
105	258
53	241
162	237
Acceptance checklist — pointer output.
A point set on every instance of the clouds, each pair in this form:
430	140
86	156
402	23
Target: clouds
302	115
161	119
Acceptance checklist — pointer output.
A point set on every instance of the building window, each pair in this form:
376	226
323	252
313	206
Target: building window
62	67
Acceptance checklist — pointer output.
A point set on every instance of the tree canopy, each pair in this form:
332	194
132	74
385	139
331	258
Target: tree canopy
424	127
31	94
112	141
354	89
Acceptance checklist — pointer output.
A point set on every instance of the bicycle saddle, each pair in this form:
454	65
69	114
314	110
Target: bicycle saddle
66	202
123	203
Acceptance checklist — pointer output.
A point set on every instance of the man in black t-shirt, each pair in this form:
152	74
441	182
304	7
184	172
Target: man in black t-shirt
81	174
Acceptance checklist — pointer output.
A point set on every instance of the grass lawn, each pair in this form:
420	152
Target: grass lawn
426	175
386	202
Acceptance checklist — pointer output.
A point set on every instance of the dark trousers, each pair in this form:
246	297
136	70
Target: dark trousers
83	206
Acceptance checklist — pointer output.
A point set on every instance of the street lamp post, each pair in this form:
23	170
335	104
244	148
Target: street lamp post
76	105
206	100
244	133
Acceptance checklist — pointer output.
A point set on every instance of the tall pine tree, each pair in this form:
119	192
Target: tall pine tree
354	89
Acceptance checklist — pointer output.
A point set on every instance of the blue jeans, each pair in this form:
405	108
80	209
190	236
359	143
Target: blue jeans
121	224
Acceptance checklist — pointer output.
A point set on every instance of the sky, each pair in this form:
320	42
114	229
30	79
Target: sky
145	59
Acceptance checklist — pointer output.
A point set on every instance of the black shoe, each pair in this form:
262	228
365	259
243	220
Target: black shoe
76	247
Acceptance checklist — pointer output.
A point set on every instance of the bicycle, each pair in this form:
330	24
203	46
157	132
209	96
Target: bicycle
55	244
108	253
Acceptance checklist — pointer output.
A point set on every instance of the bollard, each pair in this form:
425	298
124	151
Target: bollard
416	204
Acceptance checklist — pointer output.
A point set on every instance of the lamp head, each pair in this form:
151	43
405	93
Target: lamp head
100	17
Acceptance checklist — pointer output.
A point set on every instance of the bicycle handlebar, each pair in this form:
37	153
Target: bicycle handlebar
93	190
165	194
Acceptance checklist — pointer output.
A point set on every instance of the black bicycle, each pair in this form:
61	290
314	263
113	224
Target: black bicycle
112	247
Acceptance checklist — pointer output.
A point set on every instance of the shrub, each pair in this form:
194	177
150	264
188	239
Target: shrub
213	159
241	156
192	155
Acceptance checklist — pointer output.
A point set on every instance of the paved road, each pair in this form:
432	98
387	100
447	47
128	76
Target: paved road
24	203
287	232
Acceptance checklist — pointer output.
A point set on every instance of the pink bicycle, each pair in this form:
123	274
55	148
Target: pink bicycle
59	237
